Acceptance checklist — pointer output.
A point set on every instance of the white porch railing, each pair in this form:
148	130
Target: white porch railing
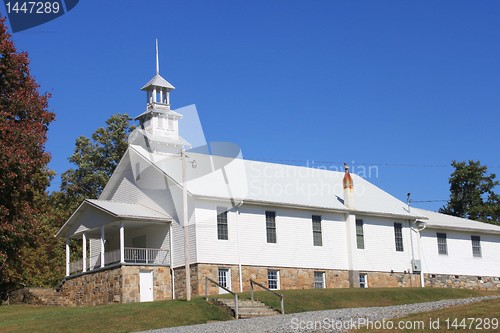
146	256
112	257
133	255
76	266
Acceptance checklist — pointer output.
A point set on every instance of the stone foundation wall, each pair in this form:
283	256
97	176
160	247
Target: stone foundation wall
290	278
38	296
180	282
391	280
100	287
294	278
119	284
162	283
462	281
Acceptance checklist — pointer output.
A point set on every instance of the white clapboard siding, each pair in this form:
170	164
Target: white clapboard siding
139	182
294	247
459	260
157	235
129	189
380	252
93	219
178	241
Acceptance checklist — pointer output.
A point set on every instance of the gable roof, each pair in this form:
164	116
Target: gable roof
444	221
130	211
249	181
158	81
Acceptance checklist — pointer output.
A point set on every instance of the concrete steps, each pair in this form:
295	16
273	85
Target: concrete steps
247	308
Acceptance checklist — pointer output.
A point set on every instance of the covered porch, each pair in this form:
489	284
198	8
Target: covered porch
116	233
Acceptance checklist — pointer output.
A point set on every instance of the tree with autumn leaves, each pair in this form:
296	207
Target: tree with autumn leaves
24	175
29	216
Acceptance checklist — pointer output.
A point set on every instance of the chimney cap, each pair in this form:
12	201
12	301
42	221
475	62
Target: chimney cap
347	181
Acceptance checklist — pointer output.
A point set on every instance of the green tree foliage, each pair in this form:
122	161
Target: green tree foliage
95	158
24	176
41	262
472	193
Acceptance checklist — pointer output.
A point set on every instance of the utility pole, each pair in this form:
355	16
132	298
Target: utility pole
186	226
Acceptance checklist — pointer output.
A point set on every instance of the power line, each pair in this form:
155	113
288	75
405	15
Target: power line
308	162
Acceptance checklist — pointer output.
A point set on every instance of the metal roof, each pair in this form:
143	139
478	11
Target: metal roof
128	210
158	81
270	183
444	221
167	112
122	210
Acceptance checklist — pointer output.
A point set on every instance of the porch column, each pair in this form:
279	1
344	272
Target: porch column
67	257
84	261
122	242
102	246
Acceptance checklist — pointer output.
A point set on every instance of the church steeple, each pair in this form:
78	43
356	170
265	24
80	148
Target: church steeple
159	123
158	89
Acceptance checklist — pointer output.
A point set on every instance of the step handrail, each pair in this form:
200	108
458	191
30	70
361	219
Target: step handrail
236	312
282	303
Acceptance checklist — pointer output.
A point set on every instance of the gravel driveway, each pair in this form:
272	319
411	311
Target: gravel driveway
320	321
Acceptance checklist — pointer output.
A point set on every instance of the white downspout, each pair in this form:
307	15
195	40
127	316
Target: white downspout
422	281
238	245
412	252
172	260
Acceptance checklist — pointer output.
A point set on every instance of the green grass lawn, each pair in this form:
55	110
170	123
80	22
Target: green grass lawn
108	318
454	319
144	316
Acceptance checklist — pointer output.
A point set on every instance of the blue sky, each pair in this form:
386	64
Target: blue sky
406	86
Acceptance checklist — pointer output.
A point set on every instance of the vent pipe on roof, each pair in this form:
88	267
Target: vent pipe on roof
348	187
408	200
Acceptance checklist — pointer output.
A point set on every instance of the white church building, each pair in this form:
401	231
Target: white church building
234	220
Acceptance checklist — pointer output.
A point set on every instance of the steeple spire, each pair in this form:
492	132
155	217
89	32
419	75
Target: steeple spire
159	124
157	61
158	89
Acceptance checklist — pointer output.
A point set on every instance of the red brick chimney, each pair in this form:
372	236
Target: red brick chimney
348	186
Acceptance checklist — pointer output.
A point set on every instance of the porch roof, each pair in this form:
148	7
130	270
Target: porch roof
109	211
